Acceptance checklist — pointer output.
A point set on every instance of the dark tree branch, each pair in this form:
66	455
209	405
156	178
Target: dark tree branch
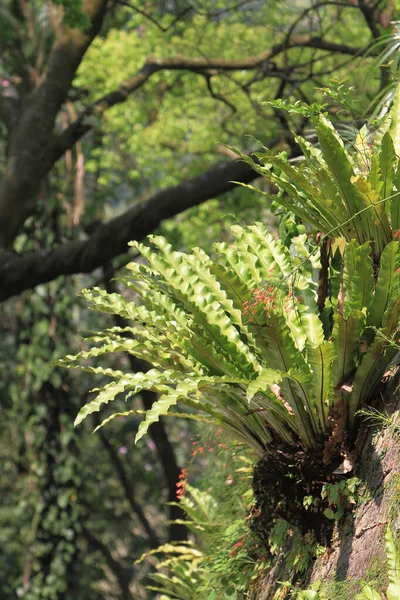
30	148
9	106
121	574
128	488
316	7
218	97
151	19
18	273
369	12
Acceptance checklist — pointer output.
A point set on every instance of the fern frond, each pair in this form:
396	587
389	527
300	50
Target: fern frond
152	379
393	556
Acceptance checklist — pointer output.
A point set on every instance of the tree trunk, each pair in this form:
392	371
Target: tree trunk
357	552
59	517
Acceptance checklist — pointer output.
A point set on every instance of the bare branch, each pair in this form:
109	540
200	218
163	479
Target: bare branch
202	65
128	487
121	574
218	96
369	12
151	19
316	7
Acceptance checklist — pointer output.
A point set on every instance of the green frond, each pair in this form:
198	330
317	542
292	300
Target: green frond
302	387
346	337
128	413
388	286
275	341
115	304
183	390
387	161
395	203
199	296
152	379
341	169
394	128
357	279
350	318
393	556
120	345
320	360
314	190
368	593
273	257
370	372
263	382
202	508
178	548
240	341
241	263
375	219
210	353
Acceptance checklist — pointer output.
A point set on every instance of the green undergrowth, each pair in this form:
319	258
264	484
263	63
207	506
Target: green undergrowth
224	558
395	496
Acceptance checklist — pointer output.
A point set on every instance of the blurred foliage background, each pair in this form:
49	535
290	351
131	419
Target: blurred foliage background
77	510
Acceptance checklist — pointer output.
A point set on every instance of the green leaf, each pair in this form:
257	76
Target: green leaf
193	284
263	382
329	513
357	279
375	219
153	379
320	360
302	400
128	413
368	593
394	128
346	339
308	595
171	548
170	398
326	208
393	591
387	288
371	370
387	161
395	203
340	167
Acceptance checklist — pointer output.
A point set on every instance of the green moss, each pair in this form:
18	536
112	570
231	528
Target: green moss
341	590
394	486
377	575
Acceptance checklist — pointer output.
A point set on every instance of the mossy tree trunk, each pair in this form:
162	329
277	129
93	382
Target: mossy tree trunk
356	552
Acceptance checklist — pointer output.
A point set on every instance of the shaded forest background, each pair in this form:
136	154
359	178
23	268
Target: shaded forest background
116	118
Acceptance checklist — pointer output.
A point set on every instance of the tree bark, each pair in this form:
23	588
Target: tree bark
30	144
358	541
